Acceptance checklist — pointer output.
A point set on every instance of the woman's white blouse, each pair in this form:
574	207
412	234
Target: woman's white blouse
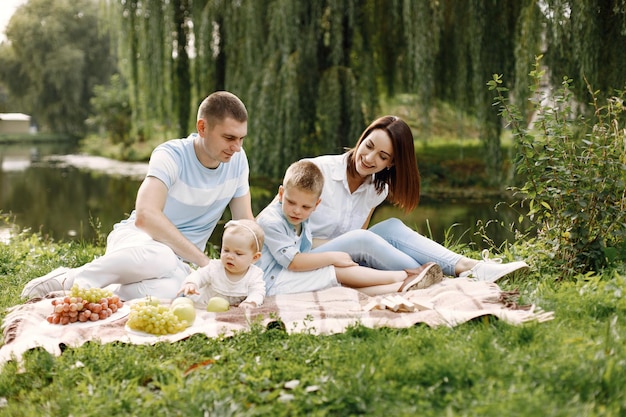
341	211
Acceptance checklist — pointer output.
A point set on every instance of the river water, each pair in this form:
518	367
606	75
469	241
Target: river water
65	196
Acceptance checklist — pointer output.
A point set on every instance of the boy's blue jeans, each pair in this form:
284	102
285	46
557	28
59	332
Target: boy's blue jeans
392	246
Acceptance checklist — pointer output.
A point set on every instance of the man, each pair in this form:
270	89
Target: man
186	190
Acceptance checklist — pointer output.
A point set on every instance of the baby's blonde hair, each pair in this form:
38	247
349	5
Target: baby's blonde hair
251	229
305	176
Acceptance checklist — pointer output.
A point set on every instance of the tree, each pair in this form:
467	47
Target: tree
182	82
55	55
111	106
312	72
585	39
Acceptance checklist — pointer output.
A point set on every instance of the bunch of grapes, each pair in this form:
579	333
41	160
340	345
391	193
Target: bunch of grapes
91	295
84	305
155	319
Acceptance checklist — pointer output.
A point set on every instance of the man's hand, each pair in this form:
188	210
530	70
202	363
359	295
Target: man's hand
149	206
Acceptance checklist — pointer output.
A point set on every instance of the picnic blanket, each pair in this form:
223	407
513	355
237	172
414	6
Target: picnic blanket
331	311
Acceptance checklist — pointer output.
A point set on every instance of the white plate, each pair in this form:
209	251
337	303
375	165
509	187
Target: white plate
119	314
138	332
146	334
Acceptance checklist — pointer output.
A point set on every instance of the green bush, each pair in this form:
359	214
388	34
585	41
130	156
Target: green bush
574	172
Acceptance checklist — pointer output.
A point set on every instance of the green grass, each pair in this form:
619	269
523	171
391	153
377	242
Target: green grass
574	365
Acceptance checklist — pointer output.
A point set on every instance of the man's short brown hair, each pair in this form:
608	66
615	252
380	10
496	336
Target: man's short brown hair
220	105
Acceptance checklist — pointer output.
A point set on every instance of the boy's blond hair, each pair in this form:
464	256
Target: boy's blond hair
249	228
305	176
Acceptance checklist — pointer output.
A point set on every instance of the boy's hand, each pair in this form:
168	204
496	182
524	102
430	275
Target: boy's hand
188	289
342	259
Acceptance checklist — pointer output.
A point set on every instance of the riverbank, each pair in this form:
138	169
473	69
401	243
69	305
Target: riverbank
111	167
439	190
34	138
450	154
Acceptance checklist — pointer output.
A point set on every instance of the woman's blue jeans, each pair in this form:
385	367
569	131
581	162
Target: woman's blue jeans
392	246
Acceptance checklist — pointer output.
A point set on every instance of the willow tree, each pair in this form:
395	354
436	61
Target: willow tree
312	72
181	94
292	63
585	40
326	65
478	40
152	65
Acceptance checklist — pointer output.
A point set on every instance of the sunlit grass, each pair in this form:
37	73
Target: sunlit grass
573	365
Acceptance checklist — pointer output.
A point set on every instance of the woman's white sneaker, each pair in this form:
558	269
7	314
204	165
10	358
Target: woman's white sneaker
491	270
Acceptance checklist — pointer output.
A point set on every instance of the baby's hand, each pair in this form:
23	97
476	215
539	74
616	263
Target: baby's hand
247	305
188	289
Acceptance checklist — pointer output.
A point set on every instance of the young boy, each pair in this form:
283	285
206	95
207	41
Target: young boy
233	276
289	267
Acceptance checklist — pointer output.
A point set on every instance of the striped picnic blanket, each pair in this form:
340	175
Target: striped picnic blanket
449	303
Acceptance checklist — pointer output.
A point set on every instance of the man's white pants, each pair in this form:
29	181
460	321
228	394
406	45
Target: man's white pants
139	264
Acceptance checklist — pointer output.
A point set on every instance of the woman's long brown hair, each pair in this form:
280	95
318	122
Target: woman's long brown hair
403	178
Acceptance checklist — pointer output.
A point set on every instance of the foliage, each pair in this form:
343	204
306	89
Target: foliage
55	56
575	173
312	73
111	109
479	39
580	35
572	365
147	37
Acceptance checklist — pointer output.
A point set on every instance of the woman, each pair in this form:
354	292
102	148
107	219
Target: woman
382	166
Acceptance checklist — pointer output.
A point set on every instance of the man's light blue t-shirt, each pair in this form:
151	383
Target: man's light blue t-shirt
197	196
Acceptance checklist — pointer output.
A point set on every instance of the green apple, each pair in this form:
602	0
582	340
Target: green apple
185	312
181	300
217	304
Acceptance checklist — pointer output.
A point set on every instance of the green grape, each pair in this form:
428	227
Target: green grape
154	319
91	295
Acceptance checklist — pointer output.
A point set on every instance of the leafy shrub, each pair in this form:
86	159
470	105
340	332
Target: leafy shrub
574	170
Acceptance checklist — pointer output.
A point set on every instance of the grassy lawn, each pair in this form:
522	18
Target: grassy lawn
574	365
